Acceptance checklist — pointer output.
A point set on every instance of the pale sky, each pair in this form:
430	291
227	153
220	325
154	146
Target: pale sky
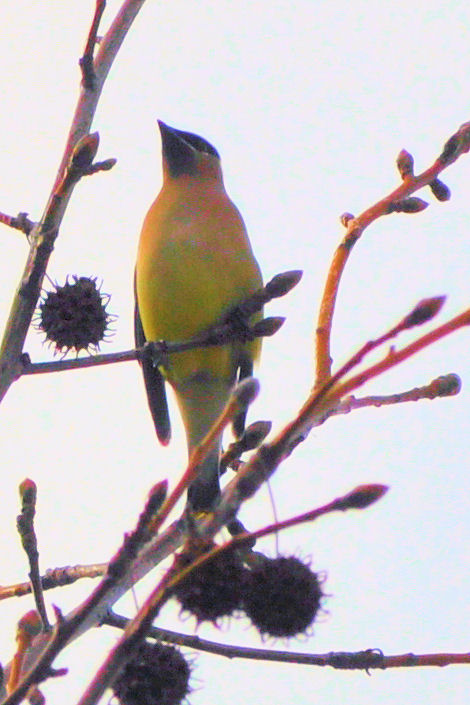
309	105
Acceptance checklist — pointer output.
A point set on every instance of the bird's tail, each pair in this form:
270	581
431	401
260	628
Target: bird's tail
201	400
205	489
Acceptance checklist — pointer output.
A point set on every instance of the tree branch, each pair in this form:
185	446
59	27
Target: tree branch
231	327
55	577
44	233
457	145
25	524
367	659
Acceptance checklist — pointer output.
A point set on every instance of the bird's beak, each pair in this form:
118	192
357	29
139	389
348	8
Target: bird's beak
177	153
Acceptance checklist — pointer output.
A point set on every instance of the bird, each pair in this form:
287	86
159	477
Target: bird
195	264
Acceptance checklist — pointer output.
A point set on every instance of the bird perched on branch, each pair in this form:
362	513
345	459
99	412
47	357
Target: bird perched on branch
194	265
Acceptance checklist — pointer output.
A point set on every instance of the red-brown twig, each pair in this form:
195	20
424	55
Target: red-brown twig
457	145
321	403
18	222
360	497
28	627
86	62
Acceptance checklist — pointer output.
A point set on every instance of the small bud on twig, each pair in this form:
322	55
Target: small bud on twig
246	392
363	496
157	495
405	164
268	326
456	145
85	151
28	492
424	311
345	218
105	165
282	283
413	204
255	434
446	385
440	190
251	438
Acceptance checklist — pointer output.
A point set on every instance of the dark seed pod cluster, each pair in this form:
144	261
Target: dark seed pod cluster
282	597
157	675
74	316
213	590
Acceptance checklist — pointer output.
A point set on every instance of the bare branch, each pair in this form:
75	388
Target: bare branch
43	234
367	659
19	222
443	386
25	524
86	62
49	645
457	145
231	327
360	497
55	577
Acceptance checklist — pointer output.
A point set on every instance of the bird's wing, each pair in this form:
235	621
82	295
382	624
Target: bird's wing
154	384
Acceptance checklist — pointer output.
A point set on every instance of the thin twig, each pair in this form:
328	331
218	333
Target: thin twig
25	525
360	497
367	659
65	628
86	62
55	577
18	222
395	357
443	386
457	145
317	407
79	363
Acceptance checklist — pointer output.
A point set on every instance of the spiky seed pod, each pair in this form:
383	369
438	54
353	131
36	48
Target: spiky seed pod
157	675
213	590
282	596
74	316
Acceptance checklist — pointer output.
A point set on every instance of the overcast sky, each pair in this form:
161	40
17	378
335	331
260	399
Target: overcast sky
309	104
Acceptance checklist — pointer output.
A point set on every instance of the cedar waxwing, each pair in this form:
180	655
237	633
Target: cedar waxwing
194	264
